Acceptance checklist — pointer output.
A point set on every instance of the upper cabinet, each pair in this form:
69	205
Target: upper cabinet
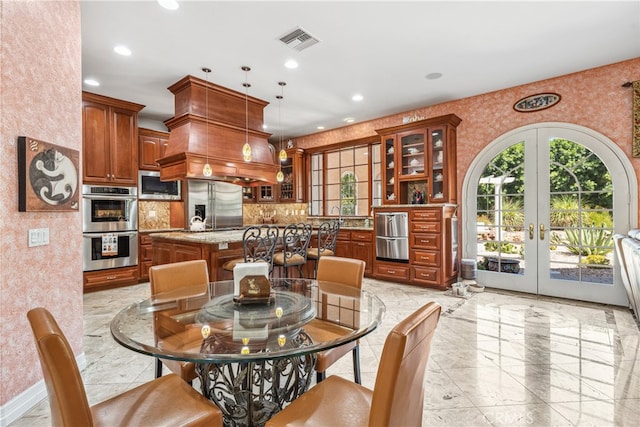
109	140
151	147
292	188
420	161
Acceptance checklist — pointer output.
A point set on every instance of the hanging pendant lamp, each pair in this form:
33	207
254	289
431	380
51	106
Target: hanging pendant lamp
206	170
283	154
246	148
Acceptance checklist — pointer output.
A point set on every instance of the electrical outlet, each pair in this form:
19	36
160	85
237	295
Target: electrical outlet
152	214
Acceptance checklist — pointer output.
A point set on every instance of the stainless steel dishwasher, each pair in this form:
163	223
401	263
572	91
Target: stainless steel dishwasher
392	236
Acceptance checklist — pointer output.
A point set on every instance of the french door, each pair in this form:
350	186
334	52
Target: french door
541	212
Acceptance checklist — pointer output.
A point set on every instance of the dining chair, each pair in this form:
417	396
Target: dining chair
258	245
190	276
398	394
345	271
166	401
327	235
295	241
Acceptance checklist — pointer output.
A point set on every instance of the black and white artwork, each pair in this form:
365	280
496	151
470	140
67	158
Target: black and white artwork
47	176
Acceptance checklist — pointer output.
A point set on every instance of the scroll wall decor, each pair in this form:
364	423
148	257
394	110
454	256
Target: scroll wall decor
47	177
635	150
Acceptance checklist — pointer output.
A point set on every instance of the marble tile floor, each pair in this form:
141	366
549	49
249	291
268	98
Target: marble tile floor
498	358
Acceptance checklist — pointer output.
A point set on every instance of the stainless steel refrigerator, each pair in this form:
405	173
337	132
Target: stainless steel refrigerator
218	204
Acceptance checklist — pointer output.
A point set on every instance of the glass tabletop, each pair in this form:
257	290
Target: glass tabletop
207	325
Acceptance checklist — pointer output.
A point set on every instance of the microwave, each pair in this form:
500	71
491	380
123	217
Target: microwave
151	188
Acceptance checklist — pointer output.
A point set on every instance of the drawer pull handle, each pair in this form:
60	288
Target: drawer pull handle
111	277
391	271
425	240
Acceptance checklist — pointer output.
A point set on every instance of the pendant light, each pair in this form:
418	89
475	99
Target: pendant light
280	175
283	153
206	170
246	148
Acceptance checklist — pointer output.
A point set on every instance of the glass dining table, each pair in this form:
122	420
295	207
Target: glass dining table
251	359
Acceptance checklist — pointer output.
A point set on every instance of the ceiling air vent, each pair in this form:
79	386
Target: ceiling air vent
298	39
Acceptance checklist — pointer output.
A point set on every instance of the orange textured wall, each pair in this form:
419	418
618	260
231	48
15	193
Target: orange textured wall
594	98
40	96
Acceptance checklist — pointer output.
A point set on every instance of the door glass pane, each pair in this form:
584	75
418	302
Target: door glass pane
581	214
500	213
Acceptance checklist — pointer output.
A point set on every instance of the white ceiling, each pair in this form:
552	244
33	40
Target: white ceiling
381	49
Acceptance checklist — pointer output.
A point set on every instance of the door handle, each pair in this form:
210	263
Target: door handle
531	229
541	231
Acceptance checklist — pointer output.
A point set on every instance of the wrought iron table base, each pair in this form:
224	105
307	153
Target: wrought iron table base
250	393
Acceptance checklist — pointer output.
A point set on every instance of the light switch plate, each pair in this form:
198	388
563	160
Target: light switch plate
38	236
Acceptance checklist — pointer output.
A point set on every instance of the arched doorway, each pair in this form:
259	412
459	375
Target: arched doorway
541	205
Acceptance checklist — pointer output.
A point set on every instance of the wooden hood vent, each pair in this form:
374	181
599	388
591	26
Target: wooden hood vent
186	152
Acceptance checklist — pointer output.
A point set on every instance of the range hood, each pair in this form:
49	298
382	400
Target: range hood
223	126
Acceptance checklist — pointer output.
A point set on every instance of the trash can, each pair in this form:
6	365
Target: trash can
469	269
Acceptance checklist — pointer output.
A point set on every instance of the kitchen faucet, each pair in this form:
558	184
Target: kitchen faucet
340	220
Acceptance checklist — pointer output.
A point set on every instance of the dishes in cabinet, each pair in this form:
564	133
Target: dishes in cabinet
391	181
390	150
438	177
438	143
412	150
439	157
390	165
391	196
414	162
438	195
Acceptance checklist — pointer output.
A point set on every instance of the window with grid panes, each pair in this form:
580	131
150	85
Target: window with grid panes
346	182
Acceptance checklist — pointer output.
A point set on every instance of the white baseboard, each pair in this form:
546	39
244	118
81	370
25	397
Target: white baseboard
22	403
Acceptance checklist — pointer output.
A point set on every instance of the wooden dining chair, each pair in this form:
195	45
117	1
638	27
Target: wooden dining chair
258	245
166	401
397	398
295	241
346	271
327	235
191	276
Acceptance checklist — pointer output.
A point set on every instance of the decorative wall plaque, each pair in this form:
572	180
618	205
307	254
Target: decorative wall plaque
635	148
47	177
536	102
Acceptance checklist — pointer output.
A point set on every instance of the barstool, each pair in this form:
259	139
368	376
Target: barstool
295	241
327	235
258	245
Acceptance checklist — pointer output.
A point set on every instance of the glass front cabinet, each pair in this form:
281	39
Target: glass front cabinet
420	161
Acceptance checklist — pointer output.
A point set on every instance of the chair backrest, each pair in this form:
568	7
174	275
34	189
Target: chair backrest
398	394
185	274
259	243
327	235
295	241
67	396
347	271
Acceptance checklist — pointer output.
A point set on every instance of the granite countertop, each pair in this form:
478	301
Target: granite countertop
224	236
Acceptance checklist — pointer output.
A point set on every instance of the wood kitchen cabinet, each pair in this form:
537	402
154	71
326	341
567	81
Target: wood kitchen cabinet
362	248
432	245
291	190
109	140
151	147
420	161
145	256
108	279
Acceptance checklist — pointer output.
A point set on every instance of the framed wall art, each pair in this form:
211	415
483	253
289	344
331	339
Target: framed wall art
47	177
536	102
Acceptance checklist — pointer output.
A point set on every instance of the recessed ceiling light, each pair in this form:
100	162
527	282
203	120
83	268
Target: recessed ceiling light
291	64
122	50
349	120
320	128
169	4
433	76
91	82
357	97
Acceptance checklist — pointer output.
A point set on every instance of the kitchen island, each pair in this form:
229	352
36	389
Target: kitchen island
218	247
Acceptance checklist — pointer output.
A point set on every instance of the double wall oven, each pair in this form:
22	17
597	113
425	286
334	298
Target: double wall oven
109	227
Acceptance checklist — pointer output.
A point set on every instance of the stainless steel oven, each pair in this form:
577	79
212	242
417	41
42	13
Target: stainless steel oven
106	209
392	236
109	250
110	227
